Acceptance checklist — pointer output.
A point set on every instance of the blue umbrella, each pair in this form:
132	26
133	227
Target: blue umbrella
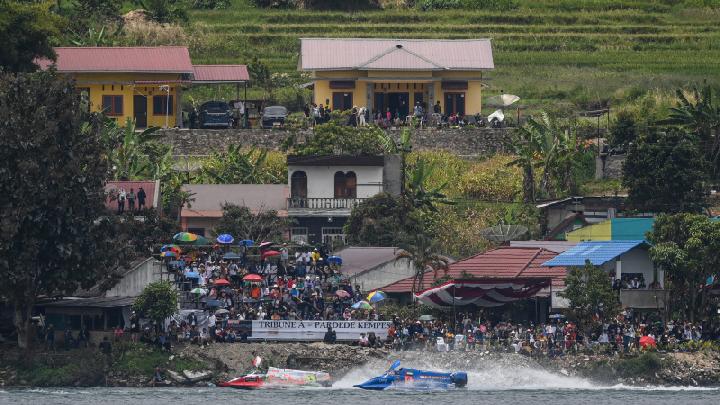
335	259
246	242
376	296
231	256
192	274
225	239
213	303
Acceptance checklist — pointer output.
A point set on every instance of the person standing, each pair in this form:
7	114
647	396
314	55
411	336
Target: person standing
121	200
141	198
437	109
131	200
212	322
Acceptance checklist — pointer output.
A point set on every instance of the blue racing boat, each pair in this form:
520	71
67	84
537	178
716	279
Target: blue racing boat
413	379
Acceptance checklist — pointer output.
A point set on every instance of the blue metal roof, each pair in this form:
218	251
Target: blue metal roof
598	252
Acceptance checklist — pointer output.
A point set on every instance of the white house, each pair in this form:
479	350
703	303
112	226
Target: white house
324	189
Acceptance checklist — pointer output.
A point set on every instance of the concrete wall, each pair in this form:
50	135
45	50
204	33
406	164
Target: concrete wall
383	275
472	142
321	179
609	167
135	280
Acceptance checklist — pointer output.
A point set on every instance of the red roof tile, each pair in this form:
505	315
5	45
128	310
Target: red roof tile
157	59
503	262
221	73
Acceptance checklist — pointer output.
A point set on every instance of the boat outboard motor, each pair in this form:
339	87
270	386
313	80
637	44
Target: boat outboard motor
460	379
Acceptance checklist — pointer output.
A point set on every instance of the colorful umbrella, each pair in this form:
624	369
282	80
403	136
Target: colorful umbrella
335	259
168	254
225	239
198	291
221	281
264	245
231	256
342	293
647	342
246	242
269	253
185	237
252	277
171	248
376	296
362	305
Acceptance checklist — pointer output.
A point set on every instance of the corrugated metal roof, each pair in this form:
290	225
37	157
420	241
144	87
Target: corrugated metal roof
220	73
504	262
209	198
359	259
98	302
597	252
152	59
395	54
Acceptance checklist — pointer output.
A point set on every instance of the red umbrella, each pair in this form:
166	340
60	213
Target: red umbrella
264	245
270	253
252	277
647	342
221	281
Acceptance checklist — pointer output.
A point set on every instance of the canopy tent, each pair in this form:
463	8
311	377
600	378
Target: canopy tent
490	292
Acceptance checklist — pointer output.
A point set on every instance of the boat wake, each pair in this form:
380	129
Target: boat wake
495	372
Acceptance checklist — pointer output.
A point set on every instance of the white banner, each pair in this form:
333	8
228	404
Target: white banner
315	330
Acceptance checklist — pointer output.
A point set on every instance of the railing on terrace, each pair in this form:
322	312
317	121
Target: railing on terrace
323	203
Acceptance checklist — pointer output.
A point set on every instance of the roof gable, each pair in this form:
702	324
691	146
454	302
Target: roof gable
395	54
597	252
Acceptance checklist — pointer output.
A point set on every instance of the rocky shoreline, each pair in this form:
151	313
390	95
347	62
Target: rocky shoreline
219	362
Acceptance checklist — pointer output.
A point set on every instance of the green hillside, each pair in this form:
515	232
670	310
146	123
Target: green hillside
562	51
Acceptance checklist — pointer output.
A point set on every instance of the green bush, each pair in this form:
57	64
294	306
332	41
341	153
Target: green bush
490	5
210	4
641	366
293	98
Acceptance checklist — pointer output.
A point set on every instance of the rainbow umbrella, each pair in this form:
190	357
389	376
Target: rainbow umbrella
362	305
185	237
225	239
168	254
376	296
171	248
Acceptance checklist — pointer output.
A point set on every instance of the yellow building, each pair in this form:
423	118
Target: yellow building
141	83
395	75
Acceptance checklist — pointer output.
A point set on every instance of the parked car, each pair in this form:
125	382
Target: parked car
215	114
274	116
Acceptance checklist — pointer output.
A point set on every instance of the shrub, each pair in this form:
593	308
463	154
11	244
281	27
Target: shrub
493	5
210	4
293	98
641	366
492	180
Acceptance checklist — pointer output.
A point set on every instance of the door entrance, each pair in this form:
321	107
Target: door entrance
455	103
140	111
398	104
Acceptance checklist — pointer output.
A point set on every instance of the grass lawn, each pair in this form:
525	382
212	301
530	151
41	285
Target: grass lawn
563	52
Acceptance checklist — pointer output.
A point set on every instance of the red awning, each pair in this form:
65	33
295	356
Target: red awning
491	292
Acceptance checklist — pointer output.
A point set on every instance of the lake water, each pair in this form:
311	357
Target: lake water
502	380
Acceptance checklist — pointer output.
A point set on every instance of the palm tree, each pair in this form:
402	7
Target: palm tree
126	149
237	166
418	195
525	145
422	253
699	114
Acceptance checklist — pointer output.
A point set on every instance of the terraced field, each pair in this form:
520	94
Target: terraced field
561	51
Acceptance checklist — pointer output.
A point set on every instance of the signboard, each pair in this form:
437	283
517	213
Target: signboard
309	330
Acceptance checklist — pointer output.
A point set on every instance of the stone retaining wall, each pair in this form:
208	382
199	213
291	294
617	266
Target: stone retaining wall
476	141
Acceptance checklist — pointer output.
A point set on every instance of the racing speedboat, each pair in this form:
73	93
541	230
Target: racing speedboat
413	379
280	378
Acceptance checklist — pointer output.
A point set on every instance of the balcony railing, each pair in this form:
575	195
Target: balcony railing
643	299
323	203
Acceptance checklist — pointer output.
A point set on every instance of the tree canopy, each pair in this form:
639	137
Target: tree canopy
666	172
242	223
26	29
687	248
383	220
158	301
53	166
590	293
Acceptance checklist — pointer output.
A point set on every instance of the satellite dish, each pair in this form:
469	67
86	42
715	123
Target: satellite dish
503	233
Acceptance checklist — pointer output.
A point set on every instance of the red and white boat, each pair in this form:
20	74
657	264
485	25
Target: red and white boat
280	378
